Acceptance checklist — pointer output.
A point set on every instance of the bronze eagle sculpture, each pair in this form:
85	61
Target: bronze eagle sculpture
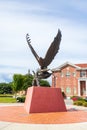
51	52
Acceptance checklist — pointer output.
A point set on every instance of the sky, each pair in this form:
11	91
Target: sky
41	19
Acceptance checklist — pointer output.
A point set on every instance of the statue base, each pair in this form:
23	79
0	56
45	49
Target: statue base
44	99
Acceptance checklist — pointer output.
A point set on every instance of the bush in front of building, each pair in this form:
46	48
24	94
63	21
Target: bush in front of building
76	98
21	99
78	103
85	104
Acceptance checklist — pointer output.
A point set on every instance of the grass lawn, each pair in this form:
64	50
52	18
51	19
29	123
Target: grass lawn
7	99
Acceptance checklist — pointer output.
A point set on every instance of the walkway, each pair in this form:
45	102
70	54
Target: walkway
17	114
14	117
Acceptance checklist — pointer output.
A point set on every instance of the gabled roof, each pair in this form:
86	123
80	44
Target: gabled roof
77	66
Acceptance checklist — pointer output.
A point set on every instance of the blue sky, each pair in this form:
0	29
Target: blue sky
41	19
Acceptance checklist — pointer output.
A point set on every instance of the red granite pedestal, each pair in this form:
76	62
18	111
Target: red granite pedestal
44	99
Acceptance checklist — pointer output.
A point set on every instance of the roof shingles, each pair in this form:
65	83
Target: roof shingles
84	65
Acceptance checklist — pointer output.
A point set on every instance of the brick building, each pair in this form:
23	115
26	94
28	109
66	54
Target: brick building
71	78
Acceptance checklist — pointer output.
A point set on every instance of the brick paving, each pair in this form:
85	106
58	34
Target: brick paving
17	114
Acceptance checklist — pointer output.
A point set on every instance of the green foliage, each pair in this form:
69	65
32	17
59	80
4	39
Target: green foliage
77	98
27	81
5	88
74	103
85	104
20	99
44	83
6	95
79	103
20	82
17	82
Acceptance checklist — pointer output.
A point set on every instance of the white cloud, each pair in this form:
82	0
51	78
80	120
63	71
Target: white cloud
21	18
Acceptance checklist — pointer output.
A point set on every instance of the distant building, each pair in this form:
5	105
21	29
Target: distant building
71	78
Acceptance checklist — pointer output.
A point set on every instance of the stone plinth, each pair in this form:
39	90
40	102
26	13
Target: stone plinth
44	99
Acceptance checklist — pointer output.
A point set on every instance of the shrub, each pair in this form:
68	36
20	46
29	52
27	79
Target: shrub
20	99
75	98
85	104
74	103
78	103
85	99
6	95
81	99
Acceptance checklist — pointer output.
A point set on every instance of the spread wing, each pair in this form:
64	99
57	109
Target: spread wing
53	49
32	49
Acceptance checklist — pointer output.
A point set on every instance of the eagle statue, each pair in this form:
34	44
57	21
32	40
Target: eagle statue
43	73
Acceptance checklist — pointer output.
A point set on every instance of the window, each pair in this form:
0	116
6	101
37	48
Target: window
68	90
74	74
67	74
83	73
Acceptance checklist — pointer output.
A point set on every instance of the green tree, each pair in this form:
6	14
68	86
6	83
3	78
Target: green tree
27	81
44	83
22	82
5	88
18	81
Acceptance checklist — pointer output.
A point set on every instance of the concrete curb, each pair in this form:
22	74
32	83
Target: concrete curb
16	126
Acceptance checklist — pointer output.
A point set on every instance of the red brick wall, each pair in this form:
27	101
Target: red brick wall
68	83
